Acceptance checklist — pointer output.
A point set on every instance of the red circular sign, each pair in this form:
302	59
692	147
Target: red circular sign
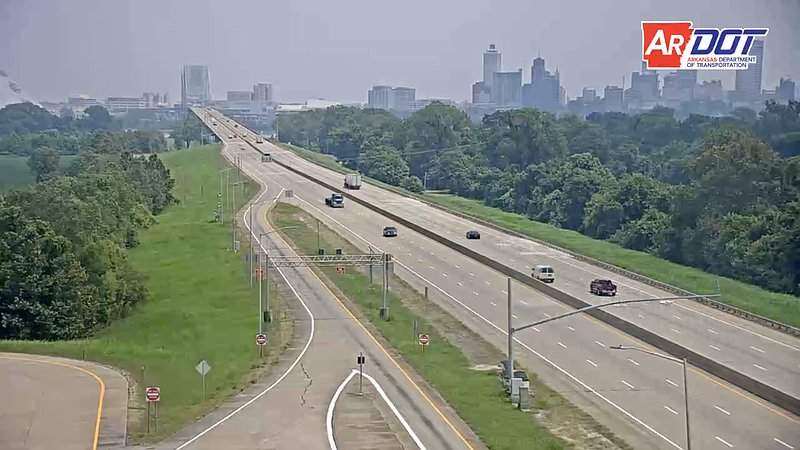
261	339
424	339
153	394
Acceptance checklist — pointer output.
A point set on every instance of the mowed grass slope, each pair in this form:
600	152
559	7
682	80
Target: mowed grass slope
201	306
784	308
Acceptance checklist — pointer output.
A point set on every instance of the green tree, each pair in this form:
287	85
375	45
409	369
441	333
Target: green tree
43	162
522	137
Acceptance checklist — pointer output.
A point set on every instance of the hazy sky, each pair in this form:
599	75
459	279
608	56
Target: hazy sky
338	49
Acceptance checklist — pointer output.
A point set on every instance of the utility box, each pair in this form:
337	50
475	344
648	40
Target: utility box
516	383
524	398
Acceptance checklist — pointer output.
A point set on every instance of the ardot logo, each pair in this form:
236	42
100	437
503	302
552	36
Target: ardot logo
676	45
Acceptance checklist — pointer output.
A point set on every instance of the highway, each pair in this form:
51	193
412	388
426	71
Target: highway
637	396
288	409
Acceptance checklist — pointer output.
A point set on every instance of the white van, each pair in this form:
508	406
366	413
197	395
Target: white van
544	273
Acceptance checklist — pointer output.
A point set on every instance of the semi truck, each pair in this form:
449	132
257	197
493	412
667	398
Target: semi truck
336	200
352	181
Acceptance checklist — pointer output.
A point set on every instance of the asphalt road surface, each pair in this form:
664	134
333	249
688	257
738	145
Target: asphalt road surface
288	410
636	395
51	403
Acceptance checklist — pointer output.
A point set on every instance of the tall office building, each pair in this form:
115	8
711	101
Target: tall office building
538	70
589	95
544	90
402	97
785	90
491	63
380	97
506	88
748	81
481	93
262	92
613	98
195	86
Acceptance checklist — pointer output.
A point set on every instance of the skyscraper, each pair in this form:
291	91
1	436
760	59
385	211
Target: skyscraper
380	97
613	97
538	70
402	98
195	86
506	88
544	90
748	81
491	63
785	90
262	92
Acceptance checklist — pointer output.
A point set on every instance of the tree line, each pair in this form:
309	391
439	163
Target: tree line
64	270
718	193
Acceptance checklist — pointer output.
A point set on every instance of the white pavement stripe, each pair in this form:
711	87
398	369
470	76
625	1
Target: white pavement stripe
504	292
634	362
433	268
514	316
676	317
419	260
641	316
715	348
591	362
670	410
493	303
471	274
572	329
474	292
759	367
724	441
487	283
546	315
783	443
460	283
671	382
673	329
535	329
444	275
600	343
757	349
523	302
720	409
562	345
329	416
712	331
628	384
457	266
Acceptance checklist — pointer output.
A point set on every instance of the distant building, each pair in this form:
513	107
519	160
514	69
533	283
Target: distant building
239	96
380	97
402	98
124	104
262	92
492	62
506	88
748	81
709	91
544	90
195	86
419	104
613	98
644	89
82	101
589	95
481	93
786	90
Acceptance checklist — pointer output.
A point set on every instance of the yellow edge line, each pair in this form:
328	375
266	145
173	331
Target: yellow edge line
695	371
430	402
102	389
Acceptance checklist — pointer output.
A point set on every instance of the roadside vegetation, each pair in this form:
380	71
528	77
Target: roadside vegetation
685	202
192	303
448	364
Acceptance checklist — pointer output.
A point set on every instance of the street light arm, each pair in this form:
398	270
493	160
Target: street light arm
602	305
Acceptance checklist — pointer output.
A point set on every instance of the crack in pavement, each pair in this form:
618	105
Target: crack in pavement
310	381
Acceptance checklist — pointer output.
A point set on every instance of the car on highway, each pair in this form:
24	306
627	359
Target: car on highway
230	136
603	287
390	232
236	125
473	235
544	274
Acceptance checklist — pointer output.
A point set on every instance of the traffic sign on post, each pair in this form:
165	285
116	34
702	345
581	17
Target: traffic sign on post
424	339
153	394
261	339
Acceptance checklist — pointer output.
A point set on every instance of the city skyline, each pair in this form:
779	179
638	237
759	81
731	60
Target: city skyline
352	52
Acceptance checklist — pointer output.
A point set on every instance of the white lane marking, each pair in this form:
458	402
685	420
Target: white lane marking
670	410
783	443
460	283
562	345
720	409
410	241
759	367
523	302
487	283
332	404
546	315
673	329
712	331
493	303
535	329
431	253
444	275
504	292
634	362
511	259
724	441
600	344
641	316
671	382
409	254
433	268
757	349
628	384
471	274
566	284
572	329
291	367
457	266
527	267
419	260
591	362
514	316
474	292
676	317
715	348
505	333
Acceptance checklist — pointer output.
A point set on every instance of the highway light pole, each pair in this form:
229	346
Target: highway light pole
261	311
685	383
222	212
233	213
512	330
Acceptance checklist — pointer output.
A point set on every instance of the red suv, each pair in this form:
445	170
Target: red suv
603	287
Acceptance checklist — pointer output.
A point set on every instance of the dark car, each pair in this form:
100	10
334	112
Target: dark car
473	235
390	232
603	287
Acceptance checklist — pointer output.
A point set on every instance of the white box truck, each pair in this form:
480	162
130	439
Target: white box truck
352	181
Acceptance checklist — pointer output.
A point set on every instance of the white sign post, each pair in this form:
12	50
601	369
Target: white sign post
152	394
203	368
424	339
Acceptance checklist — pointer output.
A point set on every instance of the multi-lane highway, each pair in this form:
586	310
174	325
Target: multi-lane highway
288	409
637	396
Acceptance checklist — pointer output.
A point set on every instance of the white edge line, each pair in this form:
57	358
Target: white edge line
504	332
302	353
331	405
394	410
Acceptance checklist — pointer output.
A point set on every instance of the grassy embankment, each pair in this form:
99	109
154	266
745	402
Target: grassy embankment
201	306
447	364
781	307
